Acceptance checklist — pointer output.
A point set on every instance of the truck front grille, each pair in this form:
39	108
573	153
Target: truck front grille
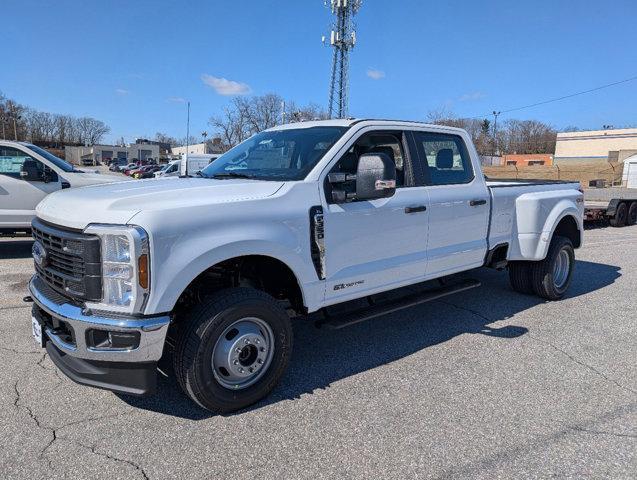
71	265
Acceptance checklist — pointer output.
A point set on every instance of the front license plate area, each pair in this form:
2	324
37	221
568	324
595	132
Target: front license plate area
36	329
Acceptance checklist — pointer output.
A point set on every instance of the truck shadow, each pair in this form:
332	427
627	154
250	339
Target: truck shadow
322	357
17	247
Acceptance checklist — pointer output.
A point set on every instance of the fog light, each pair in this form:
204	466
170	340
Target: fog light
106	339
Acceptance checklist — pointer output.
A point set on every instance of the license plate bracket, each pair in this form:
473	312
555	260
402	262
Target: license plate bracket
36	331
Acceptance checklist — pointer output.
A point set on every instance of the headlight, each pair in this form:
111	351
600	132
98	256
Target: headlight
125	268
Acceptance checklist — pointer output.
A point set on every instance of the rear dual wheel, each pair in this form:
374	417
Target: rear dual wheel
548	278
632	214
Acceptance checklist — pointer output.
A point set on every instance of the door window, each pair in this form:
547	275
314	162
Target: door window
389	143
445	157
12	159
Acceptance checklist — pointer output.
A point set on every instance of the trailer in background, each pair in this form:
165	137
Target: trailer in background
617	205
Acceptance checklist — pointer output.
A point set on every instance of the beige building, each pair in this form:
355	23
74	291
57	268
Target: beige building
199	148
596	145
96	154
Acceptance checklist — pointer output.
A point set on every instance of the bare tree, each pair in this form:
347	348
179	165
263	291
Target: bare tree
164	138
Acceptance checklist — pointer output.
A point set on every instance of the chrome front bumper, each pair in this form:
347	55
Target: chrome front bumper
152	330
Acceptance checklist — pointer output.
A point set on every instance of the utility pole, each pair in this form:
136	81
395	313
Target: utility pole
184	168
342	40
495	132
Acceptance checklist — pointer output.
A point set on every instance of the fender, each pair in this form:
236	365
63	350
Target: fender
166	293
538	225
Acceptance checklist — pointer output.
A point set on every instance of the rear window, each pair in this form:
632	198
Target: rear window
446	158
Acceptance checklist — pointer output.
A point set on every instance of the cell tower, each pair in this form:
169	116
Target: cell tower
342	40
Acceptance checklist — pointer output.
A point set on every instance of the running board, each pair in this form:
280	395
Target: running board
411	300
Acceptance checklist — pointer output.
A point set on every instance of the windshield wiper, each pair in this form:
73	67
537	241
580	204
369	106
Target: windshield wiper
232	175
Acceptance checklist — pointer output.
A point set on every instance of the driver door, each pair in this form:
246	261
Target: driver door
18	197
380	244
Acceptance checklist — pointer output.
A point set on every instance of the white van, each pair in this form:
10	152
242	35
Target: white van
196	163
28	174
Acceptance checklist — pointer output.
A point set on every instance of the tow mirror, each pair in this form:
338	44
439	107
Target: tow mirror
30	172
375	176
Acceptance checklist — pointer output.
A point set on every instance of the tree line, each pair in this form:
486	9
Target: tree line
19	122
507	137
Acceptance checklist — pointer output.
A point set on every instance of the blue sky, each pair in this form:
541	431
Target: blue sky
132	63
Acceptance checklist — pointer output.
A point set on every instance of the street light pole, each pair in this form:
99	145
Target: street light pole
495	132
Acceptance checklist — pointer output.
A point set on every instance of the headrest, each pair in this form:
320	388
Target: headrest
444	159
386	150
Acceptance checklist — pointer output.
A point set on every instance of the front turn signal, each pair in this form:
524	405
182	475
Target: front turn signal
142	264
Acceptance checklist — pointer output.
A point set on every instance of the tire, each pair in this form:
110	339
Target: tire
631	219
218	327
552	276
621	215
520	277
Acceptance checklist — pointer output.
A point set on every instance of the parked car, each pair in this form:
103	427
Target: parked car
131	167
117	163
196	163
29	173
322	217
145	170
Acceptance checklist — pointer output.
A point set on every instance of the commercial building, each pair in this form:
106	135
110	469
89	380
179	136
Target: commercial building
528	159
213	146
596	146
97	154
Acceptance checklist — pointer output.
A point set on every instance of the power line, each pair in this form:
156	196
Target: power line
557	99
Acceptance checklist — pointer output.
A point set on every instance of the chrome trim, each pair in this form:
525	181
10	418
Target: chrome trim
152	332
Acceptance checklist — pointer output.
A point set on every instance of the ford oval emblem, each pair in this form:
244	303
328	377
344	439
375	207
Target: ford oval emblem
39	253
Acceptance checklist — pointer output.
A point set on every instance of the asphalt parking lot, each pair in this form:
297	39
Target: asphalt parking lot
486	384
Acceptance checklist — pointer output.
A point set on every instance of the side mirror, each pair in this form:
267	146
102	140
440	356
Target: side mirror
30	172
375	176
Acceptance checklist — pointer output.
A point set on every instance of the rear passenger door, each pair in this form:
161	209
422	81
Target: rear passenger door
458	204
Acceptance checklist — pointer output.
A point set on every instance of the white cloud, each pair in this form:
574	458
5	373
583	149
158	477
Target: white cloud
223	86
375	74
472	96
122	91
176	100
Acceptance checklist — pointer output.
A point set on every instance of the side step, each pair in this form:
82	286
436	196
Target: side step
358	316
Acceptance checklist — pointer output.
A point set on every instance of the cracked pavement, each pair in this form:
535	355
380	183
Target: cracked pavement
484	384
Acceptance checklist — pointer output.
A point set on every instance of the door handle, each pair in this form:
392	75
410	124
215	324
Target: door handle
475	203
419	208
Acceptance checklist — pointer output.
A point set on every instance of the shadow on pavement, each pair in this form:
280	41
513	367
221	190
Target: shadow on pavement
17	247
322	357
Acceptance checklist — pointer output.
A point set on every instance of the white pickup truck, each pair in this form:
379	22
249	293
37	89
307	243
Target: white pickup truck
211	270
29	173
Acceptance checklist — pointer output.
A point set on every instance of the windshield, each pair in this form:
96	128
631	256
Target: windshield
276	155
58	162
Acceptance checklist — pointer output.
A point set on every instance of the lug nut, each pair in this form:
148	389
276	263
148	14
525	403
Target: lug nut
246	341
260	360
238	350
262	349
257	341
251	369
236	362
241	370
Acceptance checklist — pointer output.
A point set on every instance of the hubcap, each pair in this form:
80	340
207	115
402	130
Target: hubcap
561	269
243	353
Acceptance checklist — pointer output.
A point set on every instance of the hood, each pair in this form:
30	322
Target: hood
117	203
77	179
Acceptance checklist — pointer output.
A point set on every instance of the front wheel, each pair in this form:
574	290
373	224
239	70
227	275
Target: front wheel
551	277
233	349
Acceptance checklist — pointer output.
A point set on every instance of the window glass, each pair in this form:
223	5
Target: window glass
375	142
446	158
11	160
288	154
58	162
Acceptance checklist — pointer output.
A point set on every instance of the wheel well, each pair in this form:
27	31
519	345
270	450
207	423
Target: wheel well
568	228
256	271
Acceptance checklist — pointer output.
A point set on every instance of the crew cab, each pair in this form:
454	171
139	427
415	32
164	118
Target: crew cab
209	271
28	173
